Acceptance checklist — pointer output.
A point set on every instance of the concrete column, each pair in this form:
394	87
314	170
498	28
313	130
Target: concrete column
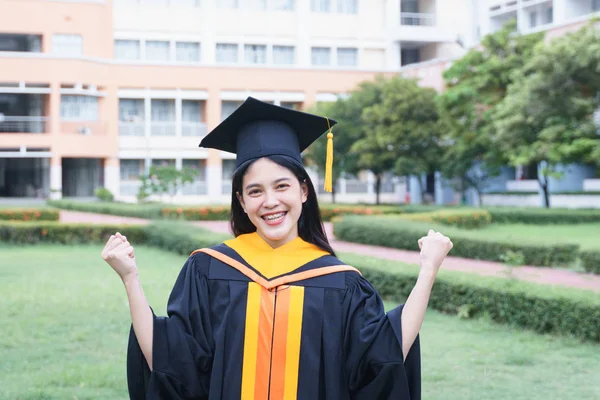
178	114
55	178
112	177
213	163
560	11
54	109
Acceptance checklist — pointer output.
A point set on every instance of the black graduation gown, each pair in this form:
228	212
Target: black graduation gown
319	332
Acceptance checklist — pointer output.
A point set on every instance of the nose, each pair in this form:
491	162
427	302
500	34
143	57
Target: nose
271	199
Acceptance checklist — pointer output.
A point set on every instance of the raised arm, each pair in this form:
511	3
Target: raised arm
434	248
119	254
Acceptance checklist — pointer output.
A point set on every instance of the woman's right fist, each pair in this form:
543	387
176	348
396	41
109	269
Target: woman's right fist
119	254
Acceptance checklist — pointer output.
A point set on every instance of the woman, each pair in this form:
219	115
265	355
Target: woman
273	314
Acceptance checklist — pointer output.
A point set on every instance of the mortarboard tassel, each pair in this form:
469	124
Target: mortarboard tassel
329	161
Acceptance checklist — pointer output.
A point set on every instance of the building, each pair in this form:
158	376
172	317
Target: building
94	92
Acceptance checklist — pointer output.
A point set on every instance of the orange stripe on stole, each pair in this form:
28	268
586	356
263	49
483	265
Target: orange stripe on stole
265	343
282	307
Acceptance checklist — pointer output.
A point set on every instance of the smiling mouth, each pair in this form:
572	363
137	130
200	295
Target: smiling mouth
274	217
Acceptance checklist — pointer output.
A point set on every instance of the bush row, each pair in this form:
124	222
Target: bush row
466	219
388	233
148	211
591	261
543	216
541	308
214	213
17	214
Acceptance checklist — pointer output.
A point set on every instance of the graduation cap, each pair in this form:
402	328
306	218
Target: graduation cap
257	129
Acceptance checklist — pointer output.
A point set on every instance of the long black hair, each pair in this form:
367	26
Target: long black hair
310	224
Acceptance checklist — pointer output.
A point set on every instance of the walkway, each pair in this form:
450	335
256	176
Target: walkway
552	276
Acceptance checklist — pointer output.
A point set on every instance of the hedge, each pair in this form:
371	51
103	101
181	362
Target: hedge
404	235
541	308
148	211
208	213
467	219
181	238
543	216
18	214
591	261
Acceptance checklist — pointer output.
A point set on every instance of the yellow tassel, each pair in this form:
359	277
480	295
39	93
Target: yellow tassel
329	162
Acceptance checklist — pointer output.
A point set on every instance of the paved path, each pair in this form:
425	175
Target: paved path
552	276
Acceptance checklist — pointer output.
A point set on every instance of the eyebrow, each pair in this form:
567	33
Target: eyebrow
275	182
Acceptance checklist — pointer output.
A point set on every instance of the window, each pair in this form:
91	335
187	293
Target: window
131	110
532	19
197	165
18	42
127	49
191	111
283	5
228	107
321	5
347	57
255	53
67	45
157	50
227	4
347	6
227	168
549	15
162	110
79	108
410	56
321	56
292	105
227	53
131	170
163	162
284	55
187	51
595	5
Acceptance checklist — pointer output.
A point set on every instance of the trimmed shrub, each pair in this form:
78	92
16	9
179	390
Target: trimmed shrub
55	232
404	235
148	211
542	216
172	236
16	214
330	211
540	308
208	213
591	261
467	219
104	194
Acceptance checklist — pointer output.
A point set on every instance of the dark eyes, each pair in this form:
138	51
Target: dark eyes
281	186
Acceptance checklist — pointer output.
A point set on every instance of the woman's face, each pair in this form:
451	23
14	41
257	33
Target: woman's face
272	197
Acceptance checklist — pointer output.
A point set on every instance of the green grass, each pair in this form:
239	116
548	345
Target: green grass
65	320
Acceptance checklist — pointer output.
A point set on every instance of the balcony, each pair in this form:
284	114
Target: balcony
197	129
421	27
163	128
83	128
132	129
24	124
417	19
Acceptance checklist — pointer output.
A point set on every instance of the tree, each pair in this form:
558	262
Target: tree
406	135
476	84
165	180
547	116
350	128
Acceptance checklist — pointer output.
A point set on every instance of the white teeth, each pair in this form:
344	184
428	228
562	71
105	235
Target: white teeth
274	216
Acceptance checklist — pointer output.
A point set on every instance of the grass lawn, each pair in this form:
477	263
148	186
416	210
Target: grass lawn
65	320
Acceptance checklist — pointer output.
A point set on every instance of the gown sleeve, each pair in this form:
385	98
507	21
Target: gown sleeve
373	340
181	347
